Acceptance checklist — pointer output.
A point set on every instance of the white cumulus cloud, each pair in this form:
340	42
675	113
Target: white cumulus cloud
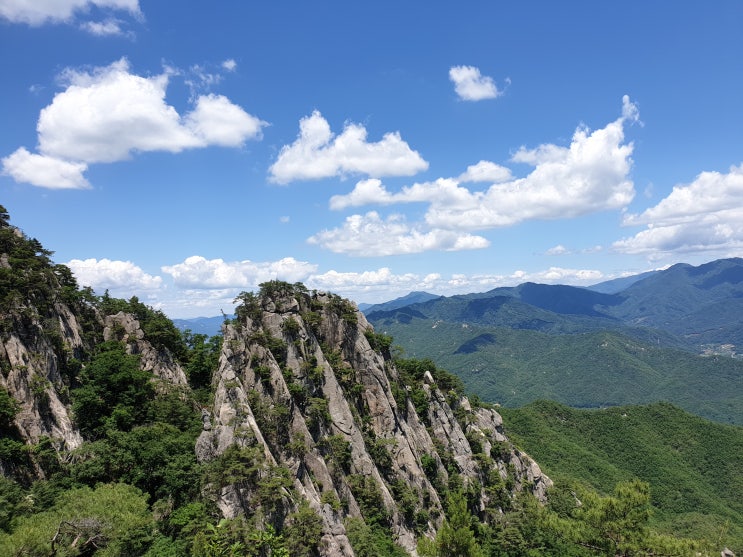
486	171
39	12
369	235
318	153
559	275
217	121
558	250
118	276
44	171
373	192
591	174
703	216
107	28
366	192
199	272
471	85
108	114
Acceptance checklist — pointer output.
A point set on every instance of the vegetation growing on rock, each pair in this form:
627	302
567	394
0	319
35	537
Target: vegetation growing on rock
294	433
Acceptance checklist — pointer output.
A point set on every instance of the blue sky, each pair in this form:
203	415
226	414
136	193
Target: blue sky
184	153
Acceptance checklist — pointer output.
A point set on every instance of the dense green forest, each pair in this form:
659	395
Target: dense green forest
692	465
135	487
513	367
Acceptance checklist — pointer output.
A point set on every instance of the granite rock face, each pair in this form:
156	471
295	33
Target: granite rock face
308	410
32	363
125	327
36	352
300	382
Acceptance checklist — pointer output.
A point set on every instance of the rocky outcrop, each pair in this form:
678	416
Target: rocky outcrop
41	356
123	326
299	379
309	409
32	354
313	411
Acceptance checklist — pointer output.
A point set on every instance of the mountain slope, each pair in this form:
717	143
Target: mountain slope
312	440
550	309
614	286
700	305
408	299
514	367
300	380
693	466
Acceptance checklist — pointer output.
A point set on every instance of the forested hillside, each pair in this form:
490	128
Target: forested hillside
671	336
693	466
294	433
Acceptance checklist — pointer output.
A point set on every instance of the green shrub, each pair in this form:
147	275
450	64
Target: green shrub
338	450
370	500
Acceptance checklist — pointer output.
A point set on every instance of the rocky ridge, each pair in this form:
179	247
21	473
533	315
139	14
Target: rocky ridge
36	353
308	409
299	379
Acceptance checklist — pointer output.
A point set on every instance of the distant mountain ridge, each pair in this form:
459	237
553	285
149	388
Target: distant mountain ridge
688	306
701	305
588	348
618	284
416	297
208	326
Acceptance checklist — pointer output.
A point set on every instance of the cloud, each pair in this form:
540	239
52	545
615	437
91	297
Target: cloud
593	249
107	28
230	65
559	275
630	110
370	236
317	154
44	171
108	114
558	250
114	275
710	192
372	192
470	85
199	272
217	121
589	175
486	171
378	282
366	192
37	12
706	215
200	79
190	303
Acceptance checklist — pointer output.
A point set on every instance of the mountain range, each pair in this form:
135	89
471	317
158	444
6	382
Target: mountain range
296	433
301	430
671	335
